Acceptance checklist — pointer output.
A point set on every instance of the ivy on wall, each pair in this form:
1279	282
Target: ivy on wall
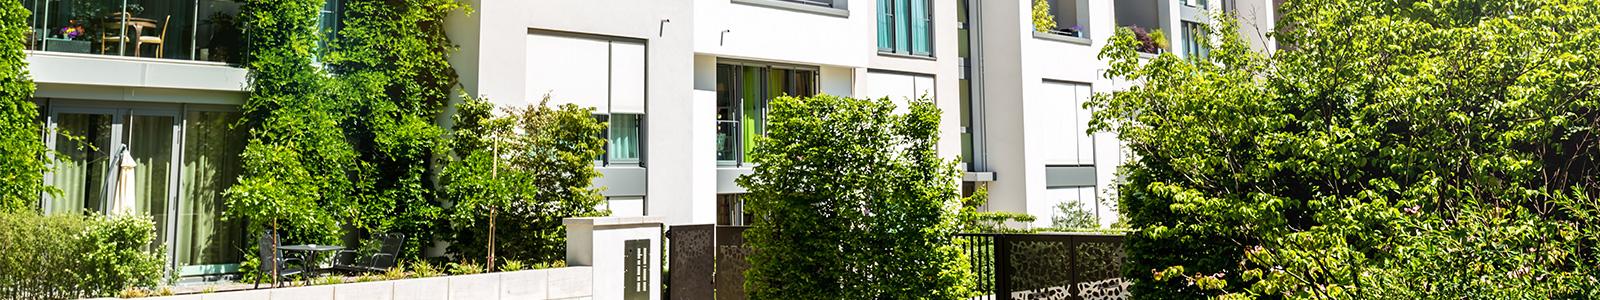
392	57
22	152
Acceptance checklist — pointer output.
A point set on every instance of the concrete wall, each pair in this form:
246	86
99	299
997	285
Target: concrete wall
552	284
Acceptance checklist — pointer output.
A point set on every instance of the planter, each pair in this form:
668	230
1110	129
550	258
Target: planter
62	45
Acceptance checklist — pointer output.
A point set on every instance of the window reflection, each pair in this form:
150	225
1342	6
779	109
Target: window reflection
206	30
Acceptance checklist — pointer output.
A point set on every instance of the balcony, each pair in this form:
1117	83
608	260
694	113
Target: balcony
199	30
1070	17
1143	17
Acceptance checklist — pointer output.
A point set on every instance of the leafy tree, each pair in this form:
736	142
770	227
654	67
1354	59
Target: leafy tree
1390	150
973	221
22	152
524	171
392	56
853	202
1072	214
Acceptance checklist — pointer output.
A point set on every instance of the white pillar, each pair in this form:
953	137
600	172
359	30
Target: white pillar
624	252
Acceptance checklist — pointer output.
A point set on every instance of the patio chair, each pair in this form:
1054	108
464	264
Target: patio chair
269	258
386	257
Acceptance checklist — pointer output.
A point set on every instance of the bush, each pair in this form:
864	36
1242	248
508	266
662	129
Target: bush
64	257
853	202
1389	150
21	169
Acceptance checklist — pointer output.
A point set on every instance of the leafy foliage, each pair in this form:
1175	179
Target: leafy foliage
22	152
296	159
1043	20
532	166
853	202
1072	214
1391	150
973	221
392	57
73	256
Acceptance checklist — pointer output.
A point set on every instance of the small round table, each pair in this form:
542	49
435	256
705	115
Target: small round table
311	253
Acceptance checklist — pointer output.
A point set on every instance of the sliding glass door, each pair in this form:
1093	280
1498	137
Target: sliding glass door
183	159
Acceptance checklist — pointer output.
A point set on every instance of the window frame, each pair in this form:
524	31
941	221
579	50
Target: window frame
737	103
902	28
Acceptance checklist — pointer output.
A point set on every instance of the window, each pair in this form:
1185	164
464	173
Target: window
730	211
170	29
1070	17
742	95
593	72
328	24
1143	17
1194	40
1068	122
905	27
1195	3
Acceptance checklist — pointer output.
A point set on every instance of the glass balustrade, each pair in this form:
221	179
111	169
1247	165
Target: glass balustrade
204	30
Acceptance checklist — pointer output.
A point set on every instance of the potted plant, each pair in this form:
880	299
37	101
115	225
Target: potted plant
1150	41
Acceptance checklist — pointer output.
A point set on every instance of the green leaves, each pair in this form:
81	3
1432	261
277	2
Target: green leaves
1395	150
534	165
853	202
22	151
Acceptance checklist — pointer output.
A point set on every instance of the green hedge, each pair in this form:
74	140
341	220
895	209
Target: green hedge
68	257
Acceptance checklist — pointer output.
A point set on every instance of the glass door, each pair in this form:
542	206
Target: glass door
83	141
207	244
94	143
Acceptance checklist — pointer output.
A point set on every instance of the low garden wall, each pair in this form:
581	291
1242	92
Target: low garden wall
551	284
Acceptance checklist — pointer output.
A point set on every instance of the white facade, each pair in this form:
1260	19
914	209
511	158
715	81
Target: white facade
1022	125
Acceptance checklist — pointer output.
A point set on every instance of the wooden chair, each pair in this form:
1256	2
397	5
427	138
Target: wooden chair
159	41
111	32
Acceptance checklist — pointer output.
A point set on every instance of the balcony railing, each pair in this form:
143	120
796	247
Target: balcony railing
204	30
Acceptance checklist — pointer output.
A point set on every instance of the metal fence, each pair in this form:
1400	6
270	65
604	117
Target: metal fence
1047	266
708	262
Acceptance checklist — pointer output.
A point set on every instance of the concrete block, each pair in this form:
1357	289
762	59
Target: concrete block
477	287
381	290
524	285
435	288
239	295
324	292
570	282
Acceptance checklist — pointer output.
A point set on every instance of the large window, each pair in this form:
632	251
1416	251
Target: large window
743	91
1071	18
205	30
182	158
594	72
905	27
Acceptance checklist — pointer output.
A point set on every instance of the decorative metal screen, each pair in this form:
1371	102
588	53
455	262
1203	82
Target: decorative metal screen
1047	266
707	262
690	260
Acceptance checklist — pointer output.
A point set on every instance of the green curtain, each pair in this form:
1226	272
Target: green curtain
921	41
754	117
210	165
82	141
151	145
624	137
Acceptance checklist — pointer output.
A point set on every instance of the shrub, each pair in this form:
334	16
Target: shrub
59	257
522	172
1388	150
853	201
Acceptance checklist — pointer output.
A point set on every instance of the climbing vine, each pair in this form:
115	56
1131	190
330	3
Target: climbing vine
21	150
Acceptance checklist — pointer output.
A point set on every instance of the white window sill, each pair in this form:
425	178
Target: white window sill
1062	38
903	55
800	7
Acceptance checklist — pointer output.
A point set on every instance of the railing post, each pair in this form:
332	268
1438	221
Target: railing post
1002	267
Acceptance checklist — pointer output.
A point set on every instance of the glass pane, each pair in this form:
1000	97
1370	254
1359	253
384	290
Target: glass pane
886	25
727	121
921	25
210	165
172	29
83	141
150	144
752	108
625	137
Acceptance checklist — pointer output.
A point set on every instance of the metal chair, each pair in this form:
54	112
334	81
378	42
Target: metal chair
268	245
388	254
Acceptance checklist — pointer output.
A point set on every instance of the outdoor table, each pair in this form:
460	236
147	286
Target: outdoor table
311	253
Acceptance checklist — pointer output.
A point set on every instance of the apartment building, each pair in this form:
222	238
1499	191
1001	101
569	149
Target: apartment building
683	83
